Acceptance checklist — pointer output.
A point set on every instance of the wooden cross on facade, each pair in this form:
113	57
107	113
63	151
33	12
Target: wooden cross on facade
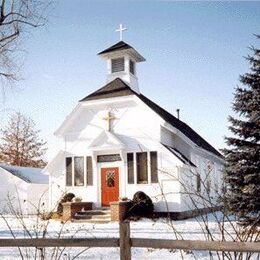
120	30
109	118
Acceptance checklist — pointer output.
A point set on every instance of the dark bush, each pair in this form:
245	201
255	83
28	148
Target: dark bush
66	198
141	205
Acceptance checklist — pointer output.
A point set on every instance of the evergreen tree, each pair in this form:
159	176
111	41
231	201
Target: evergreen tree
21	144
242	174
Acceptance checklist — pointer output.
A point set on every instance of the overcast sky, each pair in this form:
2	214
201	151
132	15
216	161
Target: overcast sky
194	54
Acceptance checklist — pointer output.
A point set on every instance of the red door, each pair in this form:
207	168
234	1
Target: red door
109	185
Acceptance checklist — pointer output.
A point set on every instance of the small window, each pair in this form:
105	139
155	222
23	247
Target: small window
110	179
130	168
132	67
78	171
154	167
141	168
208	186
198	183
118	65
89	170
68	171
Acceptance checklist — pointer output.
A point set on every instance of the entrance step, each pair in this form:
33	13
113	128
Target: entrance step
102	215
92	221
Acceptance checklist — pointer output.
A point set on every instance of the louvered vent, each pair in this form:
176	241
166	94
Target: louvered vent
118	65
132	67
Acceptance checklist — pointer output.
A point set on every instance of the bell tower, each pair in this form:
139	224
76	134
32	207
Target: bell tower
121	62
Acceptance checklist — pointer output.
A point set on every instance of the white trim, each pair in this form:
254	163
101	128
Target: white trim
130	51
73	171
67	120
116	145
208	153
105	101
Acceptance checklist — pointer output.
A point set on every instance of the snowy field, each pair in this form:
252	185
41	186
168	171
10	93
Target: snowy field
161	228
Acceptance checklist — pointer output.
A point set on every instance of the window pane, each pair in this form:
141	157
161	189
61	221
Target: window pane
141	167
68	171
130	167
78	171
110	179
89	171
118	65
154	167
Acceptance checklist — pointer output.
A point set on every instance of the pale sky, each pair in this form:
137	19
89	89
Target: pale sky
194	53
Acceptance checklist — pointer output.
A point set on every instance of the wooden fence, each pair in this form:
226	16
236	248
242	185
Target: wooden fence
125	242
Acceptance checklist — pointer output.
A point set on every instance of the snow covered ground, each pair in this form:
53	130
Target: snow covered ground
161	228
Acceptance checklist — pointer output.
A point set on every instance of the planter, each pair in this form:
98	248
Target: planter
119	210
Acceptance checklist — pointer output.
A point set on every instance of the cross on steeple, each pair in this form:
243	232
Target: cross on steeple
109	118
120	30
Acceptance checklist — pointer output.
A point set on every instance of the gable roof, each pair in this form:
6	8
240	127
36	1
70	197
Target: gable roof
117	47
183	127
124	48
28	174
106	140
118	88
115	88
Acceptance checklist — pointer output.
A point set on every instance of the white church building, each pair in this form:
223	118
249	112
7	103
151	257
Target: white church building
117	142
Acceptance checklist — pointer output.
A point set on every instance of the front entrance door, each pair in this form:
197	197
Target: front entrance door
109	185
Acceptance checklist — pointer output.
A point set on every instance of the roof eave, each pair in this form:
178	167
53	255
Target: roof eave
131	52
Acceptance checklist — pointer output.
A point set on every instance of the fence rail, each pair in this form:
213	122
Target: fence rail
197	245
125	242
59	242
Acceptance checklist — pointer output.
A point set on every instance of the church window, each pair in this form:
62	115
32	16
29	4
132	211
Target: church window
89	170
130	168
78	171
141	168
198	183
118	65
154	167
132	67
68	171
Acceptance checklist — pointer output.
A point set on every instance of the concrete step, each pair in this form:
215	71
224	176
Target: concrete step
87	216
101	215
94	221
77	216
94	212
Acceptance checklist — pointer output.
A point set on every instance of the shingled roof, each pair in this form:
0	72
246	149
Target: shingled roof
118	88
115	88
116	47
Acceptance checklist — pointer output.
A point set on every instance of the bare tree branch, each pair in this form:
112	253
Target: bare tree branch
16	19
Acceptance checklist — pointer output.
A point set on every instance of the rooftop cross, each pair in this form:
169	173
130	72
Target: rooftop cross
109	119
120	30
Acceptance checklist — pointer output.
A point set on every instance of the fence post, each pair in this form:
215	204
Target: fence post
124	240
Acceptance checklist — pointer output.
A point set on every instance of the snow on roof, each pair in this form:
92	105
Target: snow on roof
28	174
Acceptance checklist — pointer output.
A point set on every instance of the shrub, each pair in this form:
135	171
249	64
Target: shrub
66	198
141	205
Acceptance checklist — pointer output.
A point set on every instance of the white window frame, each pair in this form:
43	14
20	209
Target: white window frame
73	171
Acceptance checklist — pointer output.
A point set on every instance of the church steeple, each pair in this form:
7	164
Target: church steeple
121	62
